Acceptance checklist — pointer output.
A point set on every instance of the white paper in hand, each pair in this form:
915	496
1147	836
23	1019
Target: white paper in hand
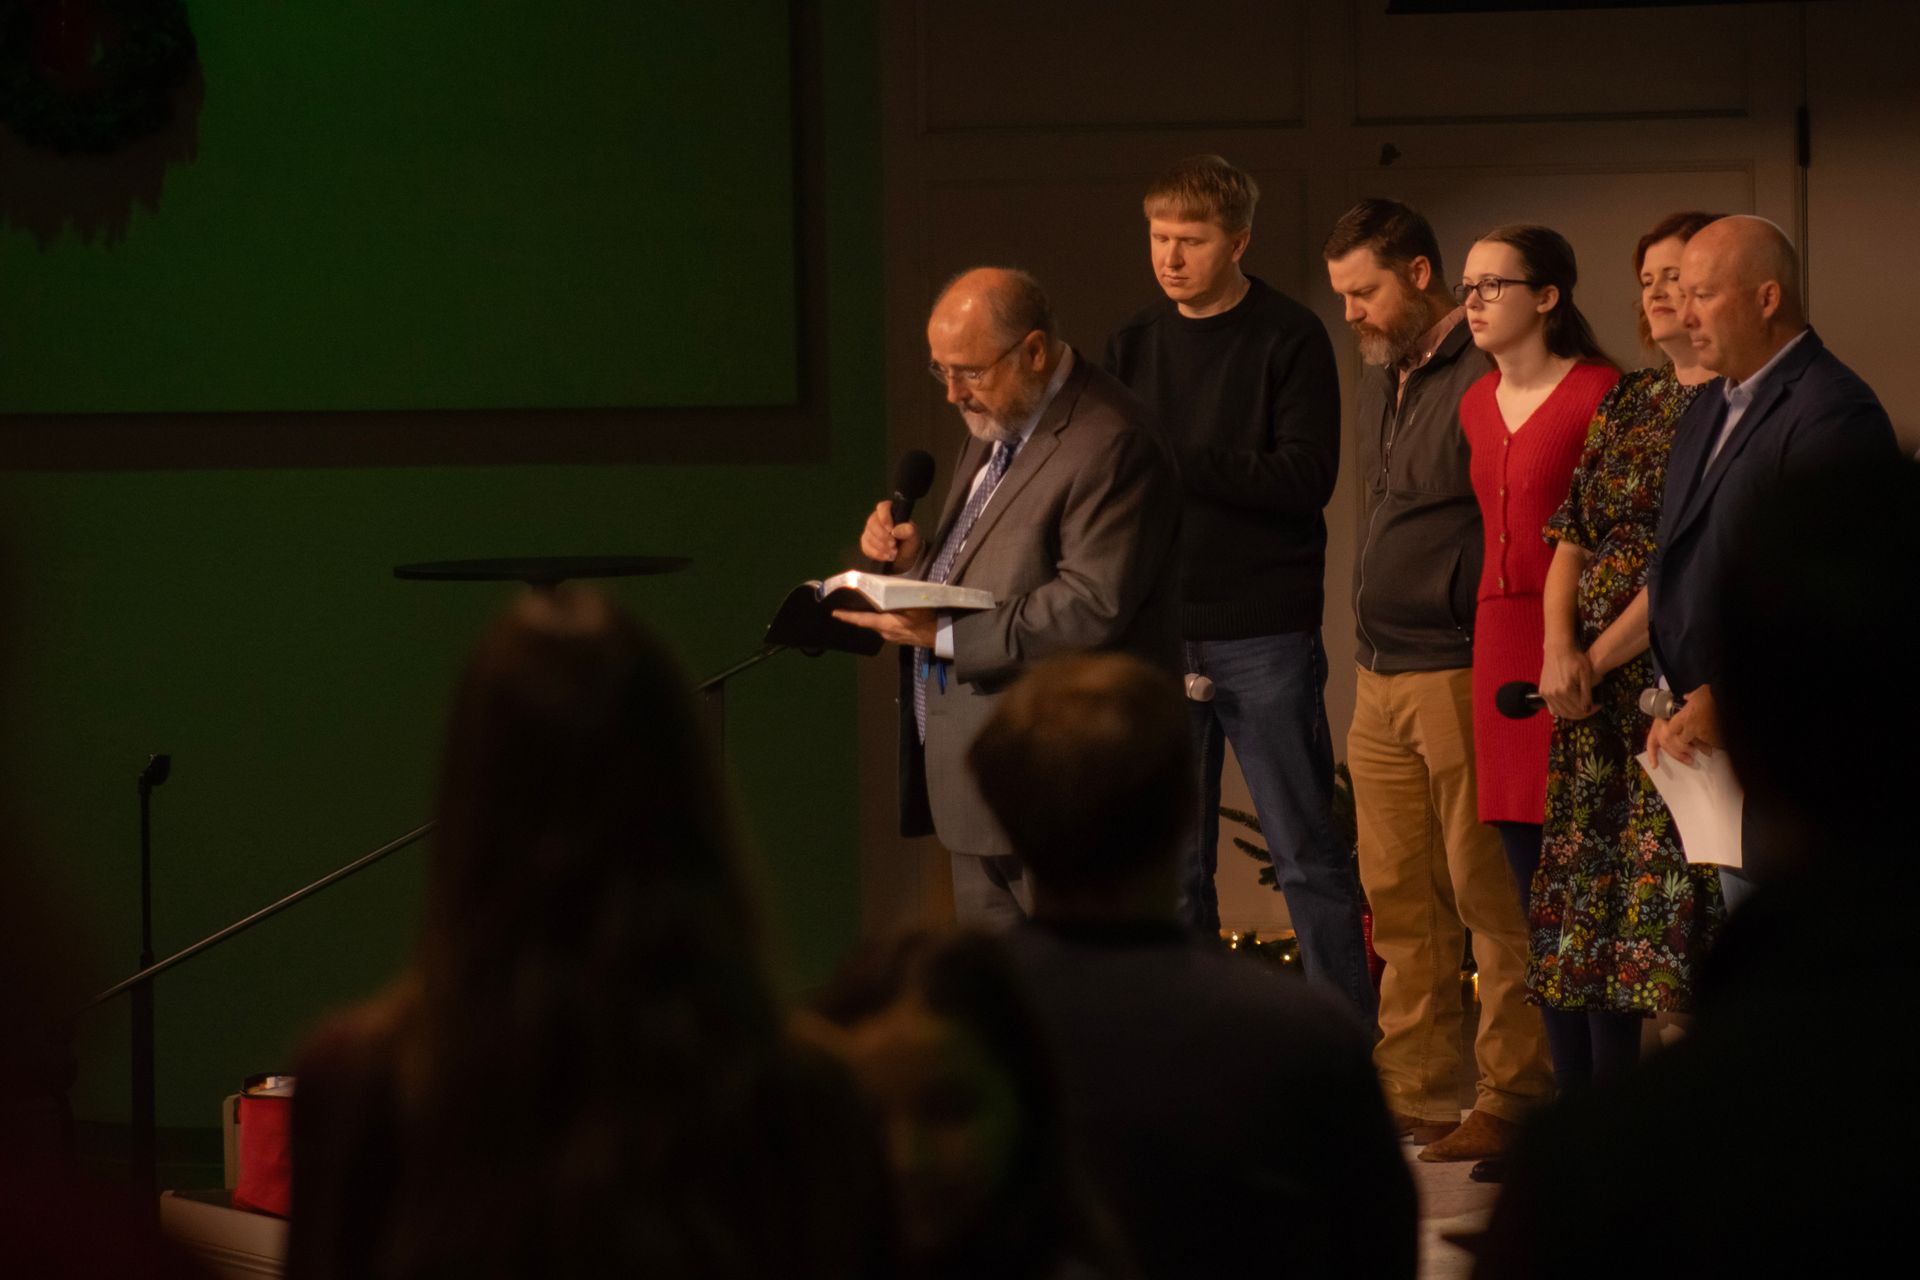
1705	800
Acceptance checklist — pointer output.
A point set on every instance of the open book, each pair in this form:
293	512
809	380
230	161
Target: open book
885	593
806	622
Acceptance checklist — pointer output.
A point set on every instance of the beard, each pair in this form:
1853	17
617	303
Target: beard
1399	338
1003	427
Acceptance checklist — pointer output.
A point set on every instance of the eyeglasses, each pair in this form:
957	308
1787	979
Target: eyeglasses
1488	287
970	377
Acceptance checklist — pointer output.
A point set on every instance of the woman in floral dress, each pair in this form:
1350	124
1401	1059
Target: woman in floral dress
1617	916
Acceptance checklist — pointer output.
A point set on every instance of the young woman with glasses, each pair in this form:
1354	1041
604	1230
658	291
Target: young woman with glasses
1525	421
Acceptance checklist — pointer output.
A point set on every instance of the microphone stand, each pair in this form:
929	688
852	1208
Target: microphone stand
712	689
143	1155
133	982
712	693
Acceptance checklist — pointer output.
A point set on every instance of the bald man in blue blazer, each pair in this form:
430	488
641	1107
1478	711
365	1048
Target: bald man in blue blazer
1783	403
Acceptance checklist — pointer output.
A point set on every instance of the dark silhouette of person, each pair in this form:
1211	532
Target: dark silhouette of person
1231	1115
1800	1165
987	1175
584	1070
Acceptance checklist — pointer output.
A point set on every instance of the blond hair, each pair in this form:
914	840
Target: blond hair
1204	189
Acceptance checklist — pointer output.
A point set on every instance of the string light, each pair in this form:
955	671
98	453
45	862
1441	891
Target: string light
1283	951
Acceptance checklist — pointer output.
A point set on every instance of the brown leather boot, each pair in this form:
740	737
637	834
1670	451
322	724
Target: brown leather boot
1421	1131
1480	1136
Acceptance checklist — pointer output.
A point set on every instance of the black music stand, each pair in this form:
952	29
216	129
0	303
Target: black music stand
543	573
801	623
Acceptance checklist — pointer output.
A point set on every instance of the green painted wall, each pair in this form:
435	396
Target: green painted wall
441	204
246	621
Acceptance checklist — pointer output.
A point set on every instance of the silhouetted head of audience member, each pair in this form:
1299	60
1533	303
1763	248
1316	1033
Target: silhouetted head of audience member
580	810
1817	700
1087	763
939	1035
584	1062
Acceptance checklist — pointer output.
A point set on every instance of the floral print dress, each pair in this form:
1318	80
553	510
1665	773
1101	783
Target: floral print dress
1617	918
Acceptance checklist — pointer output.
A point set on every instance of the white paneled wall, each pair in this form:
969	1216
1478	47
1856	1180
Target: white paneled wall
1023	134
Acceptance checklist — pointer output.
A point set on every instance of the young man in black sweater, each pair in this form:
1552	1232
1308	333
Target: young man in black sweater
1247	395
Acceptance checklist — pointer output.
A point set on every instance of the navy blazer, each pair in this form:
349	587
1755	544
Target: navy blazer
1811	410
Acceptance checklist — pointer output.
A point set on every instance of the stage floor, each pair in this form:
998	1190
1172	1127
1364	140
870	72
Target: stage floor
1449	1202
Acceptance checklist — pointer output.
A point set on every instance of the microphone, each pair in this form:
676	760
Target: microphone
912	477
1199	688
1518	700
1660	703
156	771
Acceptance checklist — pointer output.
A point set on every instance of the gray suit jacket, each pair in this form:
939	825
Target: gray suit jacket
1077	546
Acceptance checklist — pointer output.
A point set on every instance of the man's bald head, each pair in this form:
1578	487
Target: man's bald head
990	342
1758	252
1008	299
1741	278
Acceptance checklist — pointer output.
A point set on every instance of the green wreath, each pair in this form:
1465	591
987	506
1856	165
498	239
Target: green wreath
85	77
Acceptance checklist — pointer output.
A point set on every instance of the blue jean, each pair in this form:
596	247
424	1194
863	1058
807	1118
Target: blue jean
1270	703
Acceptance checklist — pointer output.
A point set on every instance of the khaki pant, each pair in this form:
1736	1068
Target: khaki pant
1429	867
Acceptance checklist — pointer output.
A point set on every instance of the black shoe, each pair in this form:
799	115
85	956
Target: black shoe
1490	1170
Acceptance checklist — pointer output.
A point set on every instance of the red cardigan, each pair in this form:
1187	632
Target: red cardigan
1520	479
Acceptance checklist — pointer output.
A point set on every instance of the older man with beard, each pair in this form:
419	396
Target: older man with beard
1430	869
1065	507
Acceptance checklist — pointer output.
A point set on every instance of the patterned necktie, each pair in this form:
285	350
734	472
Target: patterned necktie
943	564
